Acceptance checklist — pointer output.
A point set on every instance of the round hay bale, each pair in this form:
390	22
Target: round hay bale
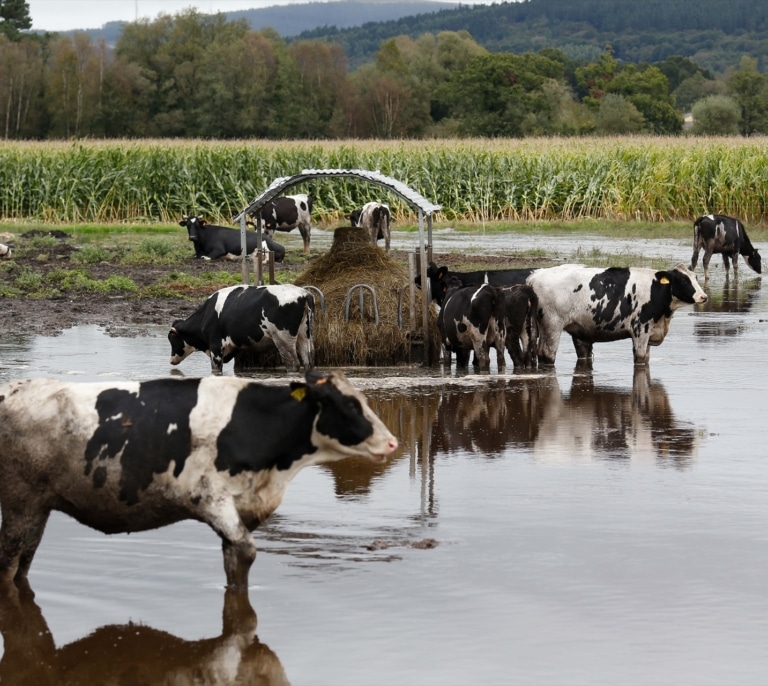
353	260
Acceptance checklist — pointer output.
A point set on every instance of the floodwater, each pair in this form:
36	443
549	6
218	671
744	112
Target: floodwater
604	526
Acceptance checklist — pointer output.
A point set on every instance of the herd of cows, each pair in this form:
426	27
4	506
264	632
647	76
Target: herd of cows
132	456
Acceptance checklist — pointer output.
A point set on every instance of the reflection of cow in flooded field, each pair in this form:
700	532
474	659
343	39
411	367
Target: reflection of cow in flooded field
133	653
734	298
614	423
588	423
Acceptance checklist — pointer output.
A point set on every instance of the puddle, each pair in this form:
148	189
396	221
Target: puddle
585	527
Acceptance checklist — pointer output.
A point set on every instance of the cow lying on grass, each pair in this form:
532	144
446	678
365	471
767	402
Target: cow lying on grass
134	456
213	242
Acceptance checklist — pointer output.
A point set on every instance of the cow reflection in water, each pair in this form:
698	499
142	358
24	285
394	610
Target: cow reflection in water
133	653
590	422
733	298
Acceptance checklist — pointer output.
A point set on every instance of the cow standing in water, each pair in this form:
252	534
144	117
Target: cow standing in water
248	317
595	305
716	233
134	456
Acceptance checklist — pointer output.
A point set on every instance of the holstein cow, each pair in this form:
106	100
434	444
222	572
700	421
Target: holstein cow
288	213
212	242
521	324
595	305
242	317
717	233
376	220
133	456
5	251
438	278
472	319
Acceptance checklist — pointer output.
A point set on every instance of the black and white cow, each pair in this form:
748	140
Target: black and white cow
521	324
212	242
439	276
595	305
472	319
5	251
716	233
376	220
245	317
288	213
133	456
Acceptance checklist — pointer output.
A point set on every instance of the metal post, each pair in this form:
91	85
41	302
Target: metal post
424	289
243	251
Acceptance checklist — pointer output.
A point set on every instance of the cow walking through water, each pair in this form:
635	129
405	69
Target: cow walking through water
716	233
134	456
242	317
595	305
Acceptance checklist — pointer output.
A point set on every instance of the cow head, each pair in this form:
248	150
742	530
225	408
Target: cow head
346	425
437	277
182	344
354	218
684	287
194	225
754	261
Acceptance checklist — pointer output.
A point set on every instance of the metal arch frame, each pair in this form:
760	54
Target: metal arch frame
425	209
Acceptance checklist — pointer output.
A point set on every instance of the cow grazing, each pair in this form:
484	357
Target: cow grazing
133	456
472	319
212	242
5	251
594	305
438	278
288	213
521	324
243	317
716	233
376	220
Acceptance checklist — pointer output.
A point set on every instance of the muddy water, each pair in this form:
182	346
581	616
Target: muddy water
605	526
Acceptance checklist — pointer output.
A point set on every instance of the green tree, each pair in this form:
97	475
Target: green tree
21	89
716	115
750	89
648	90
616	115
502	94
14	17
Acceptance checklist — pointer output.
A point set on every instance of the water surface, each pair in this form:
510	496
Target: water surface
577	526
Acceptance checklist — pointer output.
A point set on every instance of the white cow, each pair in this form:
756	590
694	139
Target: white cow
595	304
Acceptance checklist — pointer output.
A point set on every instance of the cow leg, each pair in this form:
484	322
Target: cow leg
462	358
583	348
20	535
286	346
705	262
304	231
306	351
237	545
549	341
640	346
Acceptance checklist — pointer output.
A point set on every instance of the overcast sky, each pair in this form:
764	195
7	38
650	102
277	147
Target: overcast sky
63	15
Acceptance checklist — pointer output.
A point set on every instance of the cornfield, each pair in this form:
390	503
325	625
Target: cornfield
627	178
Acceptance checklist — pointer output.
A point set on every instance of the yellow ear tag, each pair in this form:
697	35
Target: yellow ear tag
663	280
299	393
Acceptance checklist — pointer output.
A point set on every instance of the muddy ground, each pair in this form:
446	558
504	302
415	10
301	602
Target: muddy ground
129	315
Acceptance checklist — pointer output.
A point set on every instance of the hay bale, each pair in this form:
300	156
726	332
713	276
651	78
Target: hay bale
353	260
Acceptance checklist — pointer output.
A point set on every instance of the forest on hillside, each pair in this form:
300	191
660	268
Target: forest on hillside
194	75
714	33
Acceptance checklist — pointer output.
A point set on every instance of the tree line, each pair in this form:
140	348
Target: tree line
200	76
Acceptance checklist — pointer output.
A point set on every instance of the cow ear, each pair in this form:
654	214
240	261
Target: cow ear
442	272
183	222
663	278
